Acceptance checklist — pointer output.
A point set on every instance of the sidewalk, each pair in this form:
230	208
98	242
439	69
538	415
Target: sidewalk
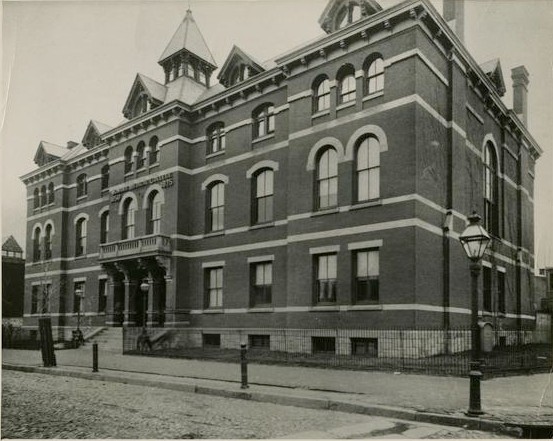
440	400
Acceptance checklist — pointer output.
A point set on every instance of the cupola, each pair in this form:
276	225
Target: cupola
187	54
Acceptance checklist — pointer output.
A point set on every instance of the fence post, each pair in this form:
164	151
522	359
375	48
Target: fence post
244	365
95	357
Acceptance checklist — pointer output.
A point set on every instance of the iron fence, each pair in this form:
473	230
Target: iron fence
430	351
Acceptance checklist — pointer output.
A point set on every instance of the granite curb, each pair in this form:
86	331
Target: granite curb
209	387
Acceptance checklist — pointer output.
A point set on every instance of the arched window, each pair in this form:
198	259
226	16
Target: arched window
367	169
263	196
153	223
374	75
154	150
491	218
263	120
140	158
347	15
105	176
81	185
215	138
129	209
321	94
48	242
216	206
327	179
43	196
51	193
346	84
80	237
36	198
128	159
141	106
36	244
104	227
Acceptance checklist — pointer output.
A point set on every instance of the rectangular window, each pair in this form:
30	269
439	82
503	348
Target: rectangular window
323	345
367	347
102	294
259	342
367	271
211	340
487	294
78	297
326	275
34	299
501	292
45	298
261	283
214	287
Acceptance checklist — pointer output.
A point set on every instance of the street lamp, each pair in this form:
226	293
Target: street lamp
475	240
144	287
78	335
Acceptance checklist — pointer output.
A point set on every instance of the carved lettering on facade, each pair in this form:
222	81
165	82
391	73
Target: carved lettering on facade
164	181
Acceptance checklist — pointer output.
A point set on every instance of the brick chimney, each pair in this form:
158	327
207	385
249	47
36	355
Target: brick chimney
521	80
71	144
454	15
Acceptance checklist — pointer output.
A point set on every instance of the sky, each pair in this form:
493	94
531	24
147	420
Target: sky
66	62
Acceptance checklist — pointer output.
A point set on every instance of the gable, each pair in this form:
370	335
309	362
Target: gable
493	71
91	137
145	94
238	67
47	152
340	13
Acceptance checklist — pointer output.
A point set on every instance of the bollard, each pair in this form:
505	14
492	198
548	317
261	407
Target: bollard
95	357
244	365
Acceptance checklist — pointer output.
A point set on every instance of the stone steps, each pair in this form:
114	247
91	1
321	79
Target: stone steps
110	339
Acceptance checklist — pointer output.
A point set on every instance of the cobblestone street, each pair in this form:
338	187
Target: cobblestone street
44	406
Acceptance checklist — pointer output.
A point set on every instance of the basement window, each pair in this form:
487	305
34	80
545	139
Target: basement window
323	345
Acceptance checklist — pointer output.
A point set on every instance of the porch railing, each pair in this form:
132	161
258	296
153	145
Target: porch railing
145	245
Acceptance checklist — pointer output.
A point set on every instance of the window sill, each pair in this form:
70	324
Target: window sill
213	311
325	212
365	307
263	225
487	314
214	234
104	191
51	204
215	154
81	257
81	198
129	174
374	95
263	138
324	308
501	315
346	105
371	203
320	113
154	165
257	309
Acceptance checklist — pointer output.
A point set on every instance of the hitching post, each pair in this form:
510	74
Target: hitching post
244	365
95	357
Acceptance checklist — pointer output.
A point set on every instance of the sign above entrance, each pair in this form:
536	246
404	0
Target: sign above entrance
165	181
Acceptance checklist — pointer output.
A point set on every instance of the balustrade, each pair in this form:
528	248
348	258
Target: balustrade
147	245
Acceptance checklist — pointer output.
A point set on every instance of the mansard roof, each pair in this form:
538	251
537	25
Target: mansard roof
188	37
237	56
11	245
47	152
492	69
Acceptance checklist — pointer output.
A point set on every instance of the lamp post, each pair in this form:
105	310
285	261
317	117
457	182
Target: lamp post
144	287
475	240
79	293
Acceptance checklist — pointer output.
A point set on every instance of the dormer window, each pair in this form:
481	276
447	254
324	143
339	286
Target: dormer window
347	15
202	77
141	106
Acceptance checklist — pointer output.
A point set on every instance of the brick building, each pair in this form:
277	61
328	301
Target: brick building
324	188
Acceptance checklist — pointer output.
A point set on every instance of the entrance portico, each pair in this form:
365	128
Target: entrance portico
139	272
